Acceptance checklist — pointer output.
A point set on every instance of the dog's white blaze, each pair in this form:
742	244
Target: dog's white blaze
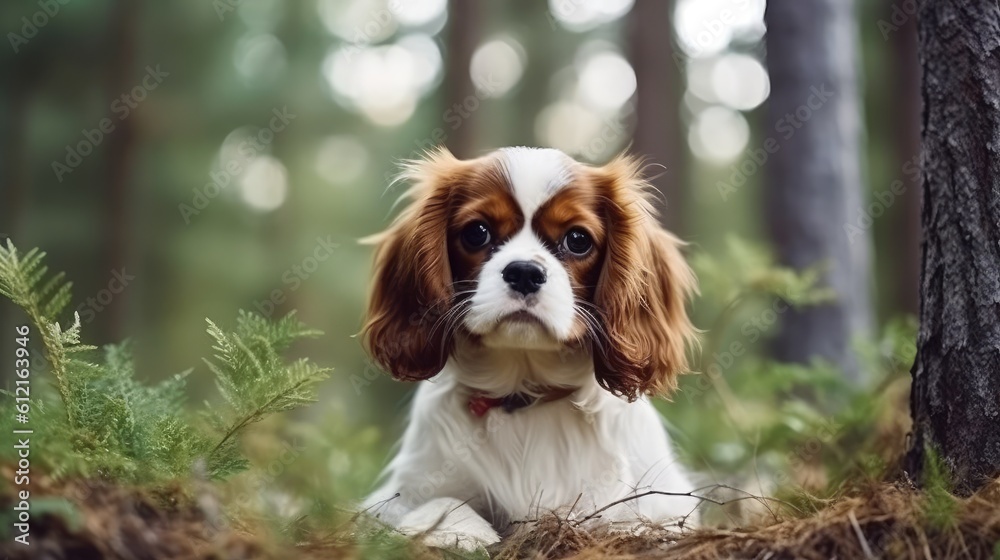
535	174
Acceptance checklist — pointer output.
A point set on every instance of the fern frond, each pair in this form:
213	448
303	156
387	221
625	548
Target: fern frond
252	377
747	271
20	277
21	281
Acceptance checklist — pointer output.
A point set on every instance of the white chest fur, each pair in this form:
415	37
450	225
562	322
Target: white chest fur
581	452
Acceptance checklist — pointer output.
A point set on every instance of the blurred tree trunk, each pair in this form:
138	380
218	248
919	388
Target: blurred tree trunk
657	134
120	156
955	399
905	98
464	27
547	48
12	156
814	183
13	179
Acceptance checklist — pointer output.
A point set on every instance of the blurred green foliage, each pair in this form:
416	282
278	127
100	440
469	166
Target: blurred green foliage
99	419
778	427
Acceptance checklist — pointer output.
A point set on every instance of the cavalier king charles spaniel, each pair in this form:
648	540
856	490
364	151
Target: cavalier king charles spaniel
541	303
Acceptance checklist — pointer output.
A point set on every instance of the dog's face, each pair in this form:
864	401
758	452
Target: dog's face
528	249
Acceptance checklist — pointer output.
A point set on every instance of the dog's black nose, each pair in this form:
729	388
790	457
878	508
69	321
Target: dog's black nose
524	277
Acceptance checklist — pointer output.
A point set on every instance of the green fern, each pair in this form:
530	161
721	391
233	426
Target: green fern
253	379
21	281
102	420
746	270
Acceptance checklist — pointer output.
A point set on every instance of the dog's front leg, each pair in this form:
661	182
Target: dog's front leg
449	522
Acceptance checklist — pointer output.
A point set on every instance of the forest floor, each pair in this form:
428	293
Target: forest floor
884	520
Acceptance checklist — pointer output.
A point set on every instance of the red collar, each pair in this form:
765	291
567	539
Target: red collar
480	404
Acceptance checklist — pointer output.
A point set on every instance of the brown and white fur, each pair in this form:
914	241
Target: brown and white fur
599	329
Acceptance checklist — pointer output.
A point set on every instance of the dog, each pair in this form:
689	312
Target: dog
540	303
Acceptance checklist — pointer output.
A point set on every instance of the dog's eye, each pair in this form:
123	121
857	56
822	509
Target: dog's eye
577	242
476	235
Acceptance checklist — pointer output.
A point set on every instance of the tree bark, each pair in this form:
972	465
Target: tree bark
814	183
955	400
657	134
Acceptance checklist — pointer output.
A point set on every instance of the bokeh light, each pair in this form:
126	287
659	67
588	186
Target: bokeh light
341	160
583	15
498	62
264	184
568	126
362	22
259	57
740	81
718	134
426	60
416	13
707	27
383	83
607	80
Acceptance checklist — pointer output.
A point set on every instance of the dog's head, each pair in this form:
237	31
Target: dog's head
528	249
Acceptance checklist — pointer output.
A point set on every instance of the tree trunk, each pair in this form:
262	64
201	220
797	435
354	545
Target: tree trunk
814	184
905	121
657	134
119	162
955	399
463	37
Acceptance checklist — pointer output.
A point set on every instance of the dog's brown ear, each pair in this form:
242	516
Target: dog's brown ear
412	289
642	291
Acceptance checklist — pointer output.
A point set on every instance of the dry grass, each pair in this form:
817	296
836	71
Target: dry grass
879	521
882	521
109	521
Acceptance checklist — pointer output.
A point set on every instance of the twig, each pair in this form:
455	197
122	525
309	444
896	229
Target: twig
378	504
690	494
861	535
354	518
749	495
